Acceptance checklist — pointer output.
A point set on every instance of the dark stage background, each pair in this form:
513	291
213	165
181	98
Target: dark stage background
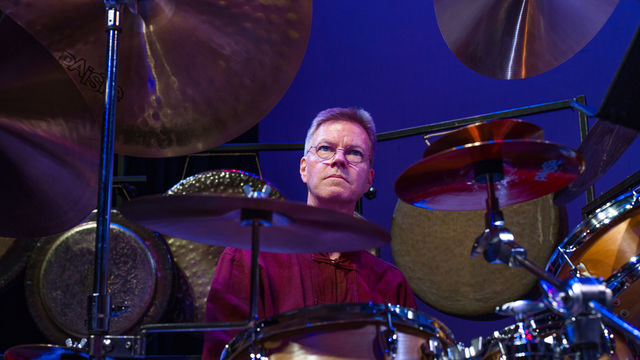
389	58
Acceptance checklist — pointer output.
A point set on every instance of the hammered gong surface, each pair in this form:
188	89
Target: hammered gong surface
433	249
197	261
60	274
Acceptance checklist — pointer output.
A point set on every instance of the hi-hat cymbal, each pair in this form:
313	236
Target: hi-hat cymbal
486	131
192	74
446	180
507	39
216	220
44	351
49	142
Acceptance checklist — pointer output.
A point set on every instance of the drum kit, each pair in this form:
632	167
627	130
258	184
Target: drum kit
588	307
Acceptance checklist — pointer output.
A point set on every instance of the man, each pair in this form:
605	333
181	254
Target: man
337	168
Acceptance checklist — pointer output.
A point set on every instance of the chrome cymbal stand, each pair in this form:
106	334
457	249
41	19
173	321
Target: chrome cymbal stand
584	302
99	306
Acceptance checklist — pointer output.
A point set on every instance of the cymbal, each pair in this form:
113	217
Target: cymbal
49	142
508	39
192	74
216	220
446	181
499	129
44	351
198	261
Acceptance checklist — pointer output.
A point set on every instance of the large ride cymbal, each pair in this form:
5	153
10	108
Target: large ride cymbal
486	131
48	141
192	74
217	220
446	180
507	39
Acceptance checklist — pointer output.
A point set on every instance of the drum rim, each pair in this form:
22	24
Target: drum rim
402	316
601	219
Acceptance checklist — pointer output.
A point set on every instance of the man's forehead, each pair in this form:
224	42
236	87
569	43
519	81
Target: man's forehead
320	131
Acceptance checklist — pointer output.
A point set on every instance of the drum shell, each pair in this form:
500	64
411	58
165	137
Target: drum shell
607	244
343	331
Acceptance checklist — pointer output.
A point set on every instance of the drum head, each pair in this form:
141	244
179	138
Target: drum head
196	262
59	279
433	249
343	331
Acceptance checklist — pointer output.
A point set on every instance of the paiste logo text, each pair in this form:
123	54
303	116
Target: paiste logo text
87	74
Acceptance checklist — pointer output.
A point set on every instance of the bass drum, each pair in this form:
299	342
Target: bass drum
607	245
346	331
196	262
60	271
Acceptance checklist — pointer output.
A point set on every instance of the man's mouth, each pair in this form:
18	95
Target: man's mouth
337	176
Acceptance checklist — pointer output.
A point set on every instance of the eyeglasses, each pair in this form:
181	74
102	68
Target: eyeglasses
353	154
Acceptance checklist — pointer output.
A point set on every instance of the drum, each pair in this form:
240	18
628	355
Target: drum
607	245
346	331
542	336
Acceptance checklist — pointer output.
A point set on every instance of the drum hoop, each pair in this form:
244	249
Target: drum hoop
627	274
604	217
346	313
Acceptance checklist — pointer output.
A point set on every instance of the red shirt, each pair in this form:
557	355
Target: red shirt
292	281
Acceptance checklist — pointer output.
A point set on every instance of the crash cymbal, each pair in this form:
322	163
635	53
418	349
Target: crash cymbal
198	261
216	220
44	351
192	74
508	39
48	141
446	180
500	129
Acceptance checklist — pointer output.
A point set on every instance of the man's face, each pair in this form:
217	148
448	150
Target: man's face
336	180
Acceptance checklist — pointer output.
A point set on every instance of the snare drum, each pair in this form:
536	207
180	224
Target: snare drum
346	331
606	245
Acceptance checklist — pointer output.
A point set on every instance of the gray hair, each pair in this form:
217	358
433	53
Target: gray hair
355	115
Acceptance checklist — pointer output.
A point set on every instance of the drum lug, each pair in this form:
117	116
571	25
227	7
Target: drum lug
431	350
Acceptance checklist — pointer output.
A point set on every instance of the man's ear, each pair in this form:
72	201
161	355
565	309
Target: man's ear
371	172
303	169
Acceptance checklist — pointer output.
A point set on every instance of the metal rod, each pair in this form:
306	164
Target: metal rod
538	271
99	306
615	322
584	130
190	327
419	130
255	270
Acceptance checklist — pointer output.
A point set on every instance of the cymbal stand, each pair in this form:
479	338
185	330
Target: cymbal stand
99	307
583	301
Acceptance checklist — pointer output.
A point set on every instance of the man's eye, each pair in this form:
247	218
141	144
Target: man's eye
355	152
325	148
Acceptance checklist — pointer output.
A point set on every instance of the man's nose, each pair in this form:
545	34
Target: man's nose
338	158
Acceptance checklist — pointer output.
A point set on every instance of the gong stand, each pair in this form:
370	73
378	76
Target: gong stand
583	301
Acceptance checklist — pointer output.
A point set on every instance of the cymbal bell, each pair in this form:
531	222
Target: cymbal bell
446	180
218	220
192	74
500	129
507	39
49	141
